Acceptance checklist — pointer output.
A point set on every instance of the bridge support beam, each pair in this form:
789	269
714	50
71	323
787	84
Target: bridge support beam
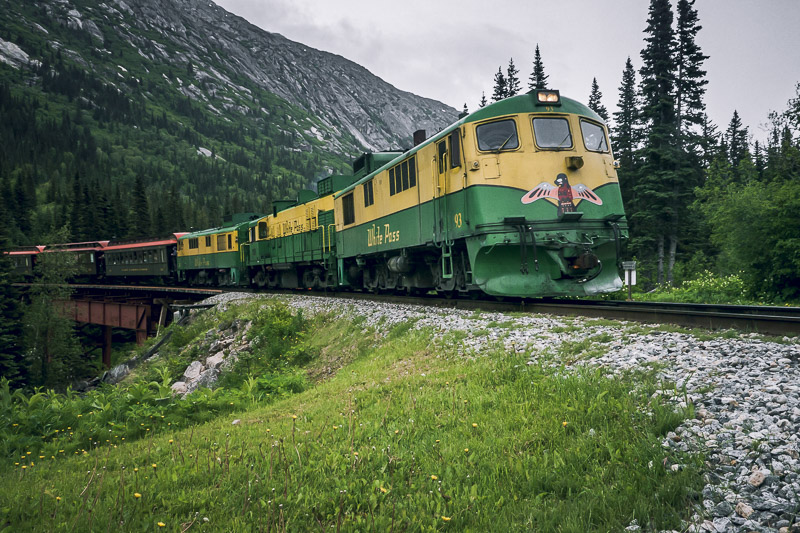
107	346
135	316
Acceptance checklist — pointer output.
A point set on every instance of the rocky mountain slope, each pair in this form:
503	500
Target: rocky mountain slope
219	59
141	117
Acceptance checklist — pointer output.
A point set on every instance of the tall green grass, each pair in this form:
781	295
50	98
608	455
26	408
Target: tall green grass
408	436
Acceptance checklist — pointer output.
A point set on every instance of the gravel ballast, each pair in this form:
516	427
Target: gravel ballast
745	390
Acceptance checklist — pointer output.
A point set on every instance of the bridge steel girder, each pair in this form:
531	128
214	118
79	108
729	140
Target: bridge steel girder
112	314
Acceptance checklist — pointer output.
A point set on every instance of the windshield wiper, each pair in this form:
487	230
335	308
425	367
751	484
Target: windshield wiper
504	144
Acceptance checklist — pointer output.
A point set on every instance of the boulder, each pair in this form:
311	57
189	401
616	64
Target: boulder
179	387
215	360
193	371
207	379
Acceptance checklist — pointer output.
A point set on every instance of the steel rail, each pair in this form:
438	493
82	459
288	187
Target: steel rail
770	320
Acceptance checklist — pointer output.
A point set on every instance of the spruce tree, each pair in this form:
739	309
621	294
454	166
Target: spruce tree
140	210
53	351
512	79
464	112
595	101
78	211
483	99
538	79
690	82
659	188
736	140
627	135
500	88
12	364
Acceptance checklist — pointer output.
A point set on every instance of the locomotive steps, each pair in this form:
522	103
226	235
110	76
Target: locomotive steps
418	418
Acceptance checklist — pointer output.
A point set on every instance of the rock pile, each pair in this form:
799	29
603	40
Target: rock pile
222	347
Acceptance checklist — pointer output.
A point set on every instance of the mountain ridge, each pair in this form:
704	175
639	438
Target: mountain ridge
124	118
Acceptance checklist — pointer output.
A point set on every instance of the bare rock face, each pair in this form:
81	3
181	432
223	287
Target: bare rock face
179	388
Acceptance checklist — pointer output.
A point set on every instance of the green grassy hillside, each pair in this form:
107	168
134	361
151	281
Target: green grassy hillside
347	429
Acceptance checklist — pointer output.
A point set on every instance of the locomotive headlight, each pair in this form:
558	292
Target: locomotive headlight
548	97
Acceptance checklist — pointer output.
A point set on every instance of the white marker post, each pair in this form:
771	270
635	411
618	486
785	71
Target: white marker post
630	276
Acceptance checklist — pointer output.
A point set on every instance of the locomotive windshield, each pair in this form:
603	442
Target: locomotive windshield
552	133
496	136
594	138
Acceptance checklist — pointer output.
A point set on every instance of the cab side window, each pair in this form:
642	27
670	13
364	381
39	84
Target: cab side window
348	209
497	136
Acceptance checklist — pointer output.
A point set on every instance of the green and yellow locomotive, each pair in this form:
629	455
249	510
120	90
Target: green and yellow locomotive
520	198
214	256
295	246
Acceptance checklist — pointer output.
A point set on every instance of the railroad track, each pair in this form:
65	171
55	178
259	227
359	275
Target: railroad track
770	320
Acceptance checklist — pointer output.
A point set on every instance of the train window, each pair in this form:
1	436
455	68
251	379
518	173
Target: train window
594	138
455	149
348	209
208	241
398	178
369	198
193	243
496	136
230	247
403	176
552	133
263	232
220	243
442	156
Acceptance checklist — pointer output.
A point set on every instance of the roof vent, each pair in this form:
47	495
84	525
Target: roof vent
419	137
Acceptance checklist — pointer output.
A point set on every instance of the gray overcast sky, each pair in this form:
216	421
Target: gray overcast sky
449	50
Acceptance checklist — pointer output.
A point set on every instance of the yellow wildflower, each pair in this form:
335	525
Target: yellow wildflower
137	495
434	477
474	425
161	524
384	490
446	518
564	423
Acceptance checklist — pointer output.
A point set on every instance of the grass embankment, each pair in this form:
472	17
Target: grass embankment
408	436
